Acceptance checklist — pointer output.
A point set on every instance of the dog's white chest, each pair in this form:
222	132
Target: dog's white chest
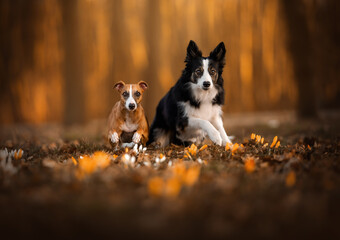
129	126
206	111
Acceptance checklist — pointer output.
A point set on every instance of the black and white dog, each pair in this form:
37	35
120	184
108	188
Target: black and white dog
191	110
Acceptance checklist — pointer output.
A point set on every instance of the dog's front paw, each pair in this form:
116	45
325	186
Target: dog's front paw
136	137
215	137
226	141
114	137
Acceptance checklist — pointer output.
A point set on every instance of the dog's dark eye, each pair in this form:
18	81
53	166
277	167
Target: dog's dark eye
137	94
125	94
198	71
212	71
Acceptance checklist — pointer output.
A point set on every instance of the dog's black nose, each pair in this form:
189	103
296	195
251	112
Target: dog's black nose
132	106
206	84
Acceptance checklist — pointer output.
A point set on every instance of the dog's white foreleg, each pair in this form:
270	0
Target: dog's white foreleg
114	137
136	137
206	126
218	123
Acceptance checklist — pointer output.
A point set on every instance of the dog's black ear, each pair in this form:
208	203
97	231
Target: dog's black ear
218	53
119	85
192	51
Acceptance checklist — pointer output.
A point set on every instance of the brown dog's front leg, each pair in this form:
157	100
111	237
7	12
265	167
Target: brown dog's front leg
140	136
114	136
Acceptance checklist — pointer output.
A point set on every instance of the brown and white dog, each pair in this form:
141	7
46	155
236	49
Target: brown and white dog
127	122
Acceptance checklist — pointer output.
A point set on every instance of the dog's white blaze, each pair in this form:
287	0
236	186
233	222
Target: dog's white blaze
206	75
130	99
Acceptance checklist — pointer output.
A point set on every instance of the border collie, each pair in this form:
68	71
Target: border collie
191	110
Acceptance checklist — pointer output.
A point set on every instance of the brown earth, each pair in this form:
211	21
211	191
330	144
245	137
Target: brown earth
255	191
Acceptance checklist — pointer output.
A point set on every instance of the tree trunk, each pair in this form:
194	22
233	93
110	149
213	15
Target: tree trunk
300	46
73	81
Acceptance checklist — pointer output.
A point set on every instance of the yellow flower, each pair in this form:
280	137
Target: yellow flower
74	161
249	165
277	144
155	186
252	136
227	146
18	154
235	147
258	138
203	147
262	140
274	142
191	175
172	187
193	150
102	159
179	170
87	165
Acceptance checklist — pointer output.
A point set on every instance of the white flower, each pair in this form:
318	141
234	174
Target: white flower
170	163
7	166
199	160
126	158
162	159
147	164
11	153
3	154
135	149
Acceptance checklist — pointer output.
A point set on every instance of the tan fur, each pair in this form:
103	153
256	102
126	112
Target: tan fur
120	115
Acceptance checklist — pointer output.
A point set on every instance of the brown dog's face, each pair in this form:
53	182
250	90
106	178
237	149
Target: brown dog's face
131	94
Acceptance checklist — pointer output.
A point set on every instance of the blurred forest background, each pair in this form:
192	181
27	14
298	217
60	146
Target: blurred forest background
60	58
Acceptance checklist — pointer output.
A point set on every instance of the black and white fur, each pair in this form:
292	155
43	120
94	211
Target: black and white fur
191	110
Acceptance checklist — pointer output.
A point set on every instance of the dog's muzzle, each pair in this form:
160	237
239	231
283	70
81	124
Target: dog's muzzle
132	106
206	85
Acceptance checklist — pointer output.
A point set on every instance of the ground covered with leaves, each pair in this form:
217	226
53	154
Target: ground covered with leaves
68	182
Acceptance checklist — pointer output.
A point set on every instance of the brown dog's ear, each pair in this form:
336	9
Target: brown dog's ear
119	85
143	85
